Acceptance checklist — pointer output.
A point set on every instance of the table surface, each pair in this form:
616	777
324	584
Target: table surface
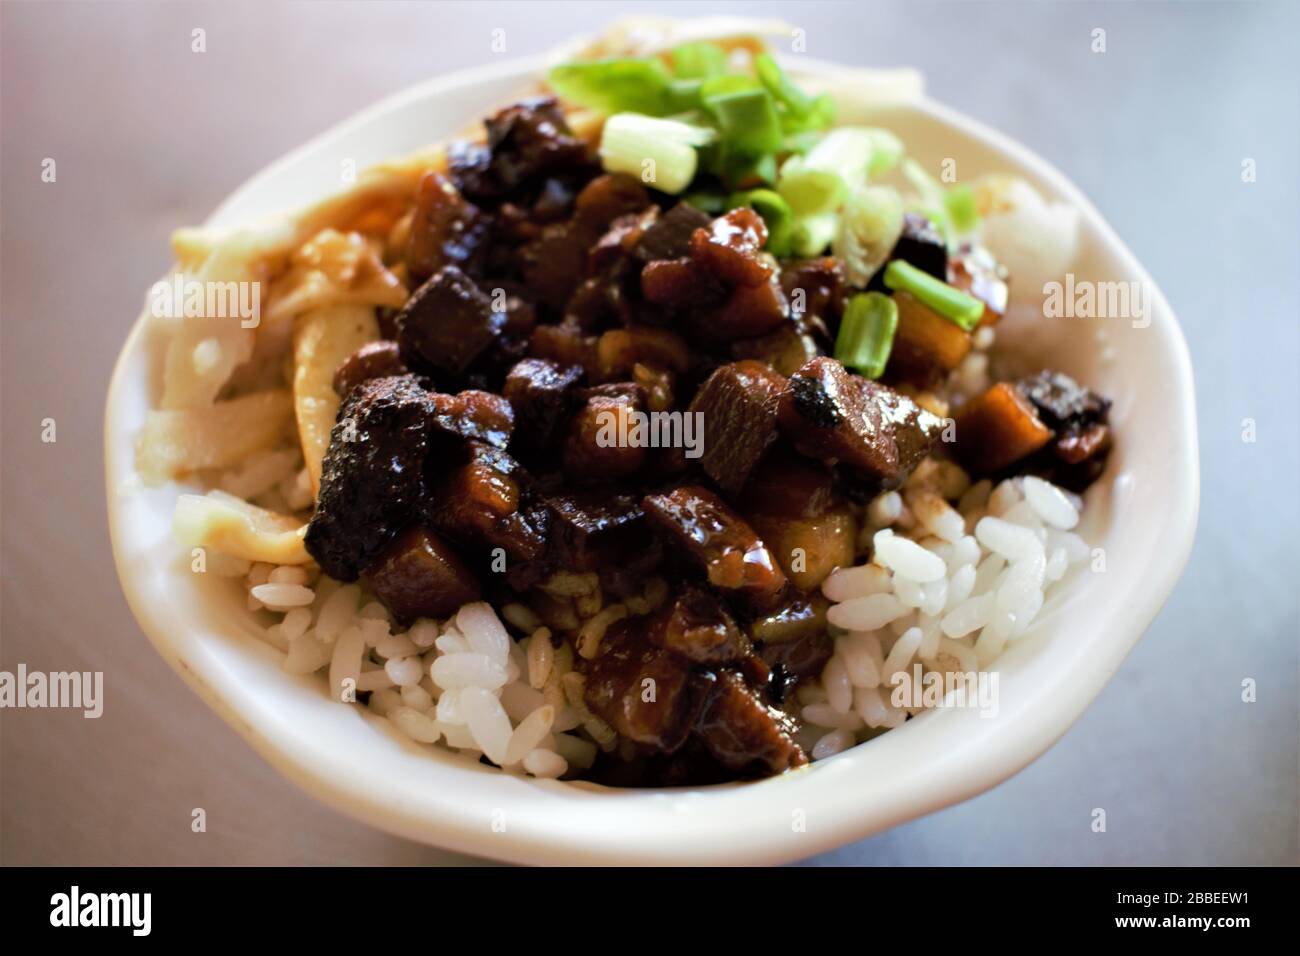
148	135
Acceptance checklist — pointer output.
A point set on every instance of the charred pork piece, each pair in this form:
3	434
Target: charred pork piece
371	476
445	230
744	734
593	528
921	245
731	248
566	344
373	360
750	310
974	270
738	406
476	498
541	392
616	683
1079	417
681	283
553	203
555	264
421	575
446	324
832	415
608	198
617	244
697	626
602	442
669	237
621	350
793	636
998	428
526	143
815	287
786	348
732	555
474	414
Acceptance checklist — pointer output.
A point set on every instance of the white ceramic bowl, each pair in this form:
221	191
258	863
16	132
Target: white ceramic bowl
1143	513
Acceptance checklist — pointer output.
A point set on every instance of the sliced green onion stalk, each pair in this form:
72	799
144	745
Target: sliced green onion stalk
776	216
820	115
714	203
819	181
886	152
870	224
954	305
615	86
770	74
959	203
659	152
699	61
747	120
812	234
866	334
743	171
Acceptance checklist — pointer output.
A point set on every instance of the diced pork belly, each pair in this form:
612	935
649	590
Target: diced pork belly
600	445
420	574
738	405
447	323
445	230
542	394
744	734
378	359
485	416
476	498
697	626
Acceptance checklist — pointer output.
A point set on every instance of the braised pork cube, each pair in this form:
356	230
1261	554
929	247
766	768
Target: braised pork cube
731	248
998	428
447	323
738	406
595	527
527	142
617	679
749	310
370	477
697	626
606	440
541	392
787	348
920	244
669	237
554	264
565	344
815	287
445	230
680	283
721	542
378	359
927	346
793	636
619	351
745	735
476	499
833	415
475	414
421	575
974	270
1079	417
609	197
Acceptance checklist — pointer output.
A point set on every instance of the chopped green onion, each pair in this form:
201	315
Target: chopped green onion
776	215
615	86
872	222
820	181
866	334
742	171
698	61
886	152
812	234
659	152
959	202
819	116
714	203
780	86
747	120
728	83
959	308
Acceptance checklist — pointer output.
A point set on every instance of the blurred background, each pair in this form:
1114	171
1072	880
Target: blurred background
148	136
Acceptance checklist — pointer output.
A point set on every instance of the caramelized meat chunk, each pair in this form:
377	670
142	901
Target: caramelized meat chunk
609	197
718	540
698	626
921	245
731	248
447	323
831	414
926	345
793	636
681	283
554	264
421	575
373	360
669	237
605	439
475	414
998	428
476	499
1080	419
541	392
744	734
646	695
445	230
593	528
370	478
750	310
974	270
527	142
738	405
815	287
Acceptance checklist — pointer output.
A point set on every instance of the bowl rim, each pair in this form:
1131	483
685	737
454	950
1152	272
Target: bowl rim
731	836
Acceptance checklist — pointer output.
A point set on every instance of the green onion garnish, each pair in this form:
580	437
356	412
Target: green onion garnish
615	86
659	152
812	234
714	203
954	305
698	61
819	181
747	120
959	202
886	151
770	74
866	334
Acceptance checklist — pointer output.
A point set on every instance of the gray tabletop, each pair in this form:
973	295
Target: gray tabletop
147	135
